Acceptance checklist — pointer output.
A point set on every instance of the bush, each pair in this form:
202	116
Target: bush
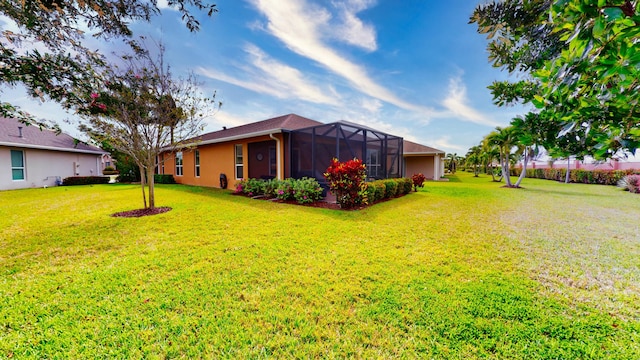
306	190
347	182
399	186
164	179
407	185
630	183
85	180
284	191
417	181
390	188
601	177
271	187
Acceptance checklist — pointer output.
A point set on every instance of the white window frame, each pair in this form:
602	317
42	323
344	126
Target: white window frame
239	161
179	164
196	156
21	168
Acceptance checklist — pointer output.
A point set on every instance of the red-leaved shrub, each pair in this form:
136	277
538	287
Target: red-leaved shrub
418	181
347	182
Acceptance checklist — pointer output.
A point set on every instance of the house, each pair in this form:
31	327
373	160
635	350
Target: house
34	157
423	159
293	146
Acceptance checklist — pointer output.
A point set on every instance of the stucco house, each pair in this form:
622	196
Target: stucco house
295	146
31	157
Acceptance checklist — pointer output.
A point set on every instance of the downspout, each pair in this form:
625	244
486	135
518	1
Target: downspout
278	160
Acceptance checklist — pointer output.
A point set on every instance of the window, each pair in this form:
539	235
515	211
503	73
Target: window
273	165
179	163
17	164
373	163
239	165
197	161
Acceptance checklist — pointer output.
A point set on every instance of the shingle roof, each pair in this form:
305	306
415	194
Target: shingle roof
411	148
285	122
34	137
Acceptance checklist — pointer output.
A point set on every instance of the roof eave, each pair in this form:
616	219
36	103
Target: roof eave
422	153
240	137
53	148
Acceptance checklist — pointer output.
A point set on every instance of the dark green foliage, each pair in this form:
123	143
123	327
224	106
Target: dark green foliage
164	179
598	177
303	191
85	180
306	191
390	188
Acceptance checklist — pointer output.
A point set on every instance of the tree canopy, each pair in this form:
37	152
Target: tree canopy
141	110
48	54
580	62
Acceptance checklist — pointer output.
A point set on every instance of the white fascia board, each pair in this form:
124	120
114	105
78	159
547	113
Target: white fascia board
42	147
240	137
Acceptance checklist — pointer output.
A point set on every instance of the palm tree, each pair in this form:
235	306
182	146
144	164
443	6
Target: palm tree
474	159
451	162
505	139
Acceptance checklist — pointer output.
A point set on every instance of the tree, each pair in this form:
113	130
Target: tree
594	83
505	139
451	162
474	159
579	62
142	110
56	64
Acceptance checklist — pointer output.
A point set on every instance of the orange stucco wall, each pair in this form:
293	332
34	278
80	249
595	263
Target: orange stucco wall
215	159
420	164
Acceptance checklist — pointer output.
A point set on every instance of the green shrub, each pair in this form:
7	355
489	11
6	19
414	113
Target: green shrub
164	179
399	186
601	177
408	185
284	191
307	190
85	180
271	188
390	188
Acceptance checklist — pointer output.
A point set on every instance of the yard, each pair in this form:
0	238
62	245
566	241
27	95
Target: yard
461	269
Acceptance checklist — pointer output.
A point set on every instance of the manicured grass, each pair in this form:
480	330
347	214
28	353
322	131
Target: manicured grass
461	269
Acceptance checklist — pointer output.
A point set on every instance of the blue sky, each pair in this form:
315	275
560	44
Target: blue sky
412	68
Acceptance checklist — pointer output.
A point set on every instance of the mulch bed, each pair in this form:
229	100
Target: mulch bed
141	212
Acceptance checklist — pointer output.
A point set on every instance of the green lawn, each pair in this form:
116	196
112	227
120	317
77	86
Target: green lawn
462	269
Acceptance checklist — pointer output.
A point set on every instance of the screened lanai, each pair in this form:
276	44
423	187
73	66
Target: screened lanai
313	148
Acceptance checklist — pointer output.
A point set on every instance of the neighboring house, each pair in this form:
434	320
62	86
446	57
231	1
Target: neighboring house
293	146
31	157
423	159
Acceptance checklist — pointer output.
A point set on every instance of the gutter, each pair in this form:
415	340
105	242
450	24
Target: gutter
278	154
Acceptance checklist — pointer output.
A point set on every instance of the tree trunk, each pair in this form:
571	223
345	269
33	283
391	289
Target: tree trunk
151	182
566	177
505	171
144	195
523	174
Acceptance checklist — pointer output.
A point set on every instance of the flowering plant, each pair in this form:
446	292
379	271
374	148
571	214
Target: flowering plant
347	182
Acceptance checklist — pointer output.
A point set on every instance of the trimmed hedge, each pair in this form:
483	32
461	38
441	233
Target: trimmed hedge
600	177
85	180
163	179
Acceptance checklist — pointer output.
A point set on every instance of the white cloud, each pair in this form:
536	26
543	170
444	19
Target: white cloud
352	30
299	26
444	143
268	76
456	103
